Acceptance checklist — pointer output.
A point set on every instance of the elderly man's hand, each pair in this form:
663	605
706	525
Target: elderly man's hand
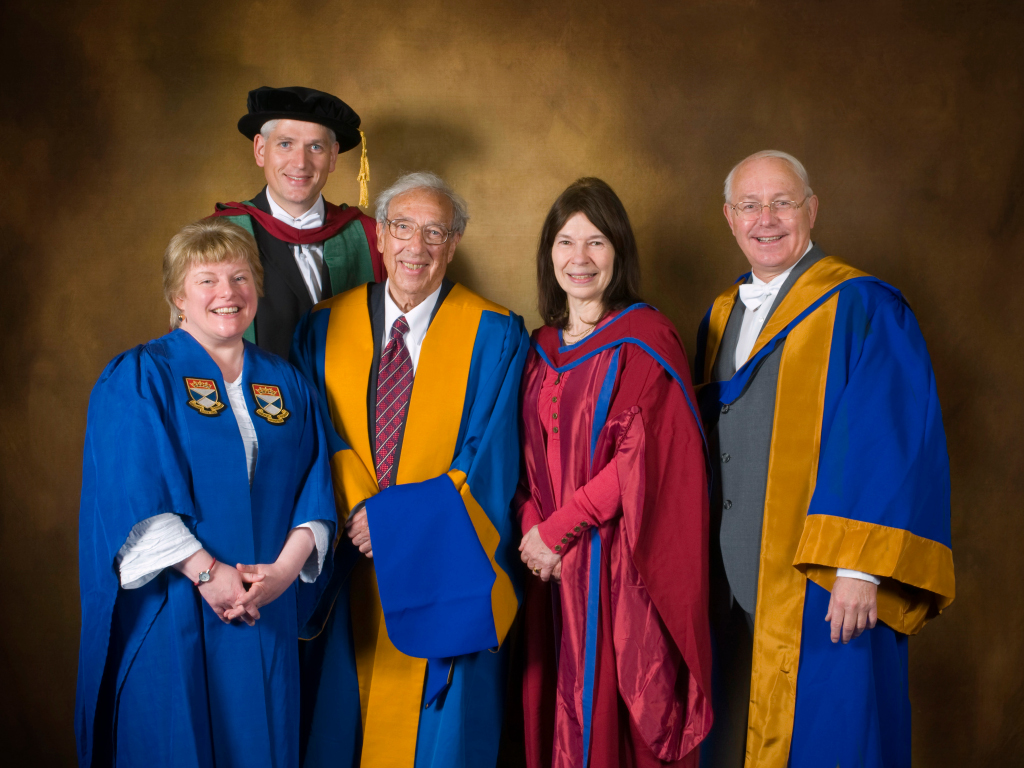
537	556
852	608
358	530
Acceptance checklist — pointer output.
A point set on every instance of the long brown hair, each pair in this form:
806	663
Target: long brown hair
599	203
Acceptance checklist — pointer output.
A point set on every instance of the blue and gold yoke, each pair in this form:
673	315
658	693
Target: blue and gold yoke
162	681
407	665
858	478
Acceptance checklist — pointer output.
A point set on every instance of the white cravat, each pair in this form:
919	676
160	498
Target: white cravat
753	295
418	318
309	258
758	299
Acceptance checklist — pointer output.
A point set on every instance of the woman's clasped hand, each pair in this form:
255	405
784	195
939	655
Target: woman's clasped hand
539	558
238	593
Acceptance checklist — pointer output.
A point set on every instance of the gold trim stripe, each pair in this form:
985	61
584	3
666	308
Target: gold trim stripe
347	367
820	278
439	389
720	312
897	556
504	603
792	468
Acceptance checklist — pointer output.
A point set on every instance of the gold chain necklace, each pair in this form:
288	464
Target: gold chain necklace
581	334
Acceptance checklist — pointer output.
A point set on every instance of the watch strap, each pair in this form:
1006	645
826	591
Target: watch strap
205	573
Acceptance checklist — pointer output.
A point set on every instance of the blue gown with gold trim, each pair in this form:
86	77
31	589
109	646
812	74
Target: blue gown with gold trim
407	665
858	478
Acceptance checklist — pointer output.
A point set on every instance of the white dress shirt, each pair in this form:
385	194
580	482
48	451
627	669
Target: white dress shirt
163	540
309	258
753	322
418	318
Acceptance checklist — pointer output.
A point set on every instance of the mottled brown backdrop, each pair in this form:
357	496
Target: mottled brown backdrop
117	125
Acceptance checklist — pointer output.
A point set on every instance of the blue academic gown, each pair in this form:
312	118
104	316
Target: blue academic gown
859	479
444	579
161	680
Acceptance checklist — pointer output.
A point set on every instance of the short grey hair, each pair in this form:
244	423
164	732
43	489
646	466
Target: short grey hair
270	125
796	165
424	180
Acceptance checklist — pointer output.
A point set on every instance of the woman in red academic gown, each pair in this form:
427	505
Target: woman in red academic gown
614	509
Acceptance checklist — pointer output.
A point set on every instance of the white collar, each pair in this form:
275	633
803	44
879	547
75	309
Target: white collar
418	317
311	219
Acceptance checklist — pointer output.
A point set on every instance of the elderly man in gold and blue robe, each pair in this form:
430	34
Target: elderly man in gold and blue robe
419	378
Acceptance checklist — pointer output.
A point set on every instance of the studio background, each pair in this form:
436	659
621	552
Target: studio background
117	126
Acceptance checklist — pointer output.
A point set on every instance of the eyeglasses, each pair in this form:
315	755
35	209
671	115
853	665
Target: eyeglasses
433	234
782	209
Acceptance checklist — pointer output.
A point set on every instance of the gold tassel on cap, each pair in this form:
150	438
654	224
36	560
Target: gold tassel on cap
364	175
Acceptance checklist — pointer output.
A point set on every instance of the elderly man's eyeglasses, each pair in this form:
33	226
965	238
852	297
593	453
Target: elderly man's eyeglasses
782	209
433	234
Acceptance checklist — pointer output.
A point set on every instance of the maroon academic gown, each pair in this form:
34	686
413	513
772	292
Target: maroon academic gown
627	427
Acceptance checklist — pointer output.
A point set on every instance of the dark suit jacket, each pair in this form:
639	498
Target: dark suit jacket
285	295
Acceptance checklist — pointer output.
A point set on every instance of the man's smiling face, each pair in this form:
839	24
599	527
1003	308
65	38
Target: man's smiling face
296	158
771	245
415	267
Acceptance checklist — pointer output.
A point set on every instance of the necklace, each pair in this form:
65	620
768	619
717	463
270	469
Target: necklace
576	336
581	334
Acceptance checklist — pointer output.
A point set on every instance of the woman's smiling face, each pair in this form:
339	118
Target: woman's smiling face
584	259
219	302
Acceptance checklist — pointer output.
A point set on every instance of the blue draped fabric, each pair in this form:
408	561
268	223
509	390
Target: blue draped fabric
162	681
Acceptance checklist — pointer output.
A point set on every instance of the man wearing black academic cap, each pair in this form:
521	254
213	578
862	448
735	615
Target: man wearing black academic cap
310	248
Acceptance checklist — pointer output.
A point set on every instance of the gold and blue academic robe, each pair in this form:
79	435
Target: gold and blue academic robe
858	478
407	666
162	681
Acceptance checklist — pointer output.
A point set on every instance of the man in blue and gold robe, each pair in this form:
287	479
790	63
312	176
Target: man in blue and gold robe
419	378
831	502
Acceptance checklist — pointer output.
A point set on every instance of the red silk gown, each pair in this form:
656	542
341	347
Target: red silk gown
613	449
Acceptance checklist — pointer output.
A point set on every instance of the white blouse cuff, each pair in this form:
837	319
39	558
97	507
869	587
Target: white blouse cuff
152	545
315	562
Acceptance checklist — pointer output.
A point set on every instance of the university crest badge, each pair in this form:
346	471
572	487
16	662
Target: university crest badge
270	403
203	396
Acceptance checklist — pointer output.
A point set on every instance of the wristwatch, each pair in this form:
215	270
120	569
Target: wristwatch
204	576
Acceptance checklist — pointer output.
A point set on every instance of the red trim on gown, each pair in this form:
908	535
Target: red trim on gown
336	219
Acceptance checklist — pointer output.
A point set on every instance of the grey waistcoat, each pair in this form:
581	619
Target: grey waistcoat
740	442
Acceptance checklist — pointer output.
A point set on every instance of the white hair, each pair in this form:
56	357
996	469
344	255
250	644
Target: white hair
270	125
796	165
424	180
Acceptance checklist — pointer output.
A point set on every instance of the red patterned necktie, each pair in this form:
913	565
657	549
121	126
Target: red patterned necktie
394	386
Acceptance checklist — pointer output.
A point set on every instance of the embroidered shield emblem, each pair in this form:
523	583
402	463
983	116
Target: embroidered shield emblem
270	403
203	396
